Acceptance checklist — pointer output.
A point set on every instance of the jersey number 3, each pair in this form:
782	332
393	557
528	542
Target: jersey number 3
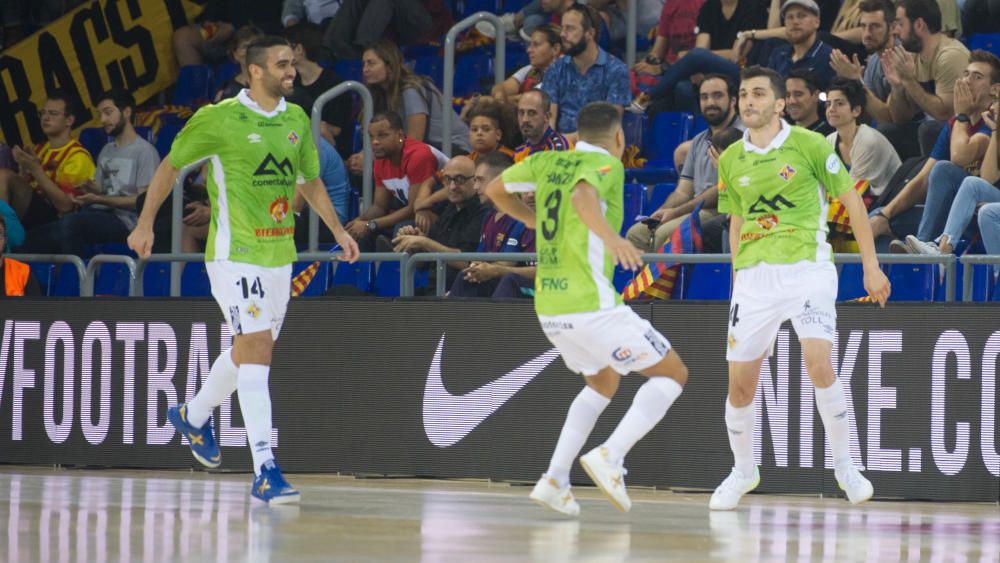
550	224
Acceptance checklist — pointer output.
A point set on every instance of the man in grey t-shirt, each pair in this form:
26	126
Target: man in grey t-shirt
699	179
107	208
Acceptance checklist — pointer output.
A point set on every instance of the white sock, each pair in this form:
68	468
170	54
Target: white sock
648	408
220	384
255	404
580	420
833	410
739	426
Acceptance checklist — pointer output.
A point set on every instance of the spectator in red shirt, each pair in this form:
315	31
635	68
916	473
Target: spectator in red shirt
400	162
675	35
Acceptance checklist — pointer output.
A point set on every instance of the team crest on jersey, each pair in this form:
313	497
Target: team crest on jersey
293	138
253	310
279	209
604	170
787	173
767	222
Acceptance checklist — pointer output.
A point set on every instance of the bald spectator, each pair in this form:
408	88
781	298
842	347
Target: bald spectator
586	73
460	224
534	114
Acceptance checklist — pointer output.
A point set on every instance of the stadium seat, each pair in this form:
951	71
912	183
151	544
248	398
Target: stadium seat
359	274
471	71
708	281
387	279
165	137
913	282
982	282
432	66
413	52
111	279
851	282
146	133
634	126
668	130
470	7
93	139
985	41
657	196
622	278
516	58
156	280
67	281
635	196
44	273
193	85
223	73
348	69
699	125
194	281
320	282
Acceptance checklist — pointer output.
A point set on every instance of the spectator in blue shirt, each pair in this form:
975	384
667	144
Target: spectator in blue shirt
804	49
585	74
334	175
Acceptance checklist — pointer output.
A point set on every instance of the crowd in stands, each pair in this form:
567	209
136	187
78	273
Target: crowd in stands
892	86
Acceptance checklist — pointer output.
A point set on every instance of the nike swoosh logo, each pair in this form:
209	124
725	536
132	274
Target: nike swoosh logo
449	418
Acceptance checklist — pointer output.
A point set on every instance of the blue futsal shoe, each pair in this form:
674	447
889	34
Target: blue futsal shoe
203	445
270	486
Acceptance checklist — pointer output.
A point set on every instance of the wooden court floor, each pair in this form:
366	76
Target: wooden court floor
130	516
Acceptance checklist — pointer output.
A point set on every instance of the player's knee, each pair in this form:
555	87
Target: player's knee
741	393
605	382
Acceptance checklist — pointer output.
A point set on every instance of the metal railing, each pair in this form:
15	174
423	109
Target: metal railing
442	258
177	217
367	109
87	285
76	261
631	29
968	262
499	67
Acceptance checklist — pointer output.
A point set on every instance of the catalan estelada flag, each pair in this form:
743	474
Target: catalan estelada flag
837	217
659	279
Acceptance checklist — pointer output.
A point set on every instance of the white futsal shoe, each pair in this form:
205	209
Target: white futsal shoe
549	494
728	494
853	483
608	477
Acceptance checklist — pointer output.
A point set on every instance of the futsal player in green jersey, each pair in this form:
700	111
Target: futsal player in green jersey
774	185
579	198
259	149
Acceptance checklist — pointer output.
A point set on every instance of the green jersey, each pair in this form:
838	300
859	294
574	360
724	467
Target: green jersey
780	192
254	159
574	269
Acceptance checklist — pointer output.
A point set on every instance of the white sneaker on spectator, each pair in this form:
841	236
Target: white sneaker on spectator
853	483
485	27
899	247
549	494
918	246
608	477
728	494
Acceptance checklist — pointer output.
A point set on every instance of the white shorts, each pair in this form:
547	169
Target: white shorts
619	338
767	295
252	298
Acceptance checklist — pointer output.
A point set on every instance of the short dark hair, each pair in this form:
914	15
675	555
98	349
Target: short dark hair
884	6
310	36
395	121
257	50
591	20
805	75
731	86
855	93
927	10
68	100
120	97
755	71
986	57
496	161
726	137
597	119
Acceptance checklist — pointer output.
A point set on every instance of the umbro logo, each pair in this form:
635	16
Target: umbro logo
254	138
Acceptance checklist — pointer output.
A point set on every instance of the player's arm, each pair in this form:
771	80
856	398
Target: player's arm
509	203
735	226
141	238
587	204
876	284
315	194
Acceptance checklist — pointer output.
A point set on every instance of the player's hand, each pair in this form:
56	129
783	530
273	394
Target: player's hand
349	246
140	241
877	285
624	253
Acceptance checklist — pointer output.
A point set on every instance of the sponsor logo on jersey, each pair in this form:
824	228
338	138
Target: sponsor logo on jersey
832	164
293	138
621	354
787	172
270	166
767	222
765	205
604	170
278	209
732	341
253	138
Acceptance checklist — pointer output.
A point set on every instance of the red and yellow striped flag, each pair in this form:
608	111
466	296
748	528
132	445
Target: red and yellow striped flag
301	281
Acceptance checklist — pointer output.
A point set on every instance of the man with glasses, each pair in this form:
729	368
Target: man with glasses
52	174
459	226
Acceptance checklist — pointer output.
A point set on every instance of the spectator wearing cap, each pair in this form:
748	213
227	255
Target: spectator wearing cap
805	50
586	73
